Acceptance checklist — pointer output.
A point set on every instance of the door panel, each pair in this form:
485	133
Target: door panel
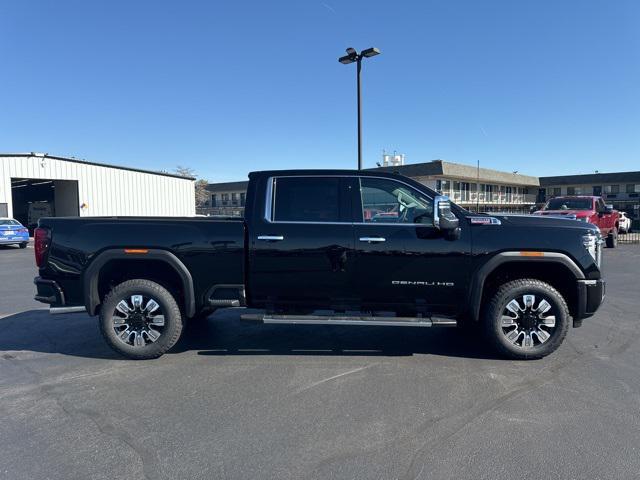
415	269
412	267
305	264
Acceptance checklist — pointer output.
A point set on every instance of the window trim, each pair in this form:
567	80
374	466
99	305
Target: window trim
270	197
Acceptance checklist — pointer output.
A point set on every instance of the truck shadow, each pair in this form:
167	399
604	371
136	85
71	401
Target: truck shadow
225	334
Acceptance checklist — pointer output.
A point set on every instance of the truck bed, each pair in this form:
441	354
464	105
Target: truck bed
76	241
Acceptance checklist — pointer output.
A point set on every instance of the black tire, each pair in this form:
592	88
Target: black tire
23	245
171	329
612	239
516	290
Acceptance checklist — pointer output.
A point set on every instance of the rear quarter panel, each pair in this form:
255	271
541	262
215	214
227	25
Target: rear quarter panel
212	250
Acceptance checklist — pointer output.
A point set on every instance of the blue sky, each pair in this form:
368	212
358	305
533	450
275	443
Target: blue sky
543	87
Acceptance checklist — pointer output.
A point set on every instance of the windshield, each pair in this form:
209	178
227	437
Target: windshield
6	221
568	204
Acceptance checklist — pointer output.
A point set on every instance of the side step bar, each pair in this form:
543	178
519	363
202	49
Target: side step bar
61	310
351	320
224	303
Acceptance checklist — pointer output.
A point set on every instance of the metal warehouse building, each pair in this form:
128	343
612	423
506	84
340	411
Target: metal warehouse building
34	185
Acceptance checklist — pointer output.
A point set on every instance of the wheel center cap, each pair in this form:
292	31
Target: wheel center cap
529	320
137	320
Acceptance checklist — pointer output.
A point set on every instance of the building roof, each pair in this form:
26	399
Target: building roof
228	186
85	162
595	178
457	170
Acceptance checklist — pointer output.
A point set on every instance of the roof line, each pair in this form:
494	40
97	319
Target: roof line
97	164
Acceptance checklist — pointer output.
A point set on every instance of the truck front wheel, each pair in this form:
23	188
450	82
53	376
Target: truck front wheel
140	319
526	319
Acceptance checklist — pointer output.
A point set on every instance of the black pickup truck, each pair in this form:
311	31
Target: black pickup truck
326	247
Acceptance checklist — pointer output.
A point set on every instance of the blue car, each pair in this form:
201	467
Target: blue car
13	233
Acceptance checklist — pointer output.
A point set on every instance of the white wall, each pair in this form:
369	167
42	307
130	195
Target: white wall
105	190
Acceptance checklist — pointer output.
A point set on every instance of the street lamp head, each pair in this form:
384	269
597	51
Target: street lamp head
347	59
370	52
351	51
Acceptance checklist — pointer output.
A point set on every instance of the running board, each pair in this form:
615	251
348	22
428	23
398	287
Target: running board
224	303
351	320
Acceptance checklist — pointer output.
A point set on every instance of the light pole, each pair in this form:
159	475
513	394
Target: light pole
353	56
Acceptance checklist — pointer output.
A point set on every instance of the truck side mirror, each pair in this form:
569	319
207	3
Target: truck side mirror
444	219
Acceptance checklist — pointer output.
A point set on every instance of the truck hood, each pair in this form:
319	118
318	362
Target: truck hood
564	213
545	221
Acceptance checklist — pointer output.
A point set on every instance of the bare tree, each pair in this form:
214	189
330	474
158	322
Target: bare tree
202	194
185	171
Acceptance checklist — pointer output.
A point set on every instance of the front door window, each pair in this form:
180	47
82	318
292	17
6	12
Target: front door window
388	201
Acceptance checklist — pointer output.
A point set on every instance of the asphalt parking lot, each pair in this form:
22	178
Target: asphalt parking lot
237	400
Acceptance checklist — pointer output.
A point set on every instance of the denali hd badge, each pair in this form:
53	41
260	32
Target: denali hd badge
422	283
484	221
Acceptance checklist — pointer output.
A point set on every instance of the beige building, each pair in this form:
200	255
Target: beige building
476	189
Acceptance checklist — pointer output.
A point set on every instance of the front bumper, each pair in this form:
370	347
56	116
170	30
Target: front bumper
591	294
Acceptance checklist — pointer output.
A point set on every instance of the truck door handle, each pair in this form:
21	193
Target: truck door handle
271	238
373	239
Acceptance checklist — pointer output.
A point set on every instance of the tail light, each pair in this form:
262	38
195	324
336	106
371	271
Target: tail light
41	242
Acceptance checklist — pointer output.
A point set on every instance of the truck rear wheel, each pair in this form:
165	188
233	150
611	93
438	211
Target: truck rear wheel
526	319
140	319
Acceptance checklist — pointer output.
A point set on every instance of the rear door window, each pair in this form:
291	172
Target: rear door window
308	199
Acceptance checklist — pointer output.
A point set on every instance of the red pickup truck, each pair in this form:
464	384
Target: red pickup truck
587	209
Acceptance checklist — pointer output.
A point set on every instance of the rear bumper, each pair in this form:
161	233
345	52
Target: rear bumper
48	291
10	240
591	294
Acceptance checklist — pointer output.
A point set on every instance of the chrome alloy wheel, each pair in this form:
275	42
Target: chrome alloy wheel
138	321
527	322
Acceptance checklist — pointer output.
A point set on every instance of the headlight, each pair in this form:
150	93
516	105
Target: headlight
592	243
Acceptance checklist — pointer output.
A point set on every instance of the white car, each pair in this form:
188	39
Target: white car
624	223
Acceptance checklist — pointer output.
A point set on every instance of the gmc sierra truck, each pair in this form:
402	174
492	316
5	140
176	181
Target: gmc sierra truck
327	247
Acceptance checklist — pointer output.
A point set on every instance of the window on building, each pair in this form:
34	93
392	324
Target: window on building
388	201
243	198
234	198
225	198
465	191
443	186
631	188
509	194
557	191
574	191
612	188
312	199
214	200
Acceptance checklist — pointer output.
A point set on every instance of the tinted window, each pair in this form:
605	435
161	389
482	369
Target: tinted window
387	201
310	199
